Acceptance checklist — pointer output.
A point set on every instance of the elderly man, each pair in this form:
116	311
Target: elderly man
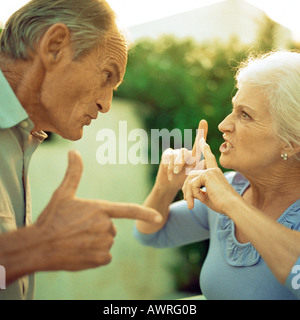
60	61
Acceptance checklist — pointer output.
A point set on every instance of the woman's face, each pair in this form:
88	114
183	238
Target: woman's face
250	146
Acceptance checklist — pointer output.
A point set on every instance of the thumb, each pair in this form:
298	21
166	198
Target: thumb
73	174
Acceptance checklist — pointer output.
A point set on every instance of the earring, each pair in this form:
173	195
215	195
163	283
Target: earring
284	156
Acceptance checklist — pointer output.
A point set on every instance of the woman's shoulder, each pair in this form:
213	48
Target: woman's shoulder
291	216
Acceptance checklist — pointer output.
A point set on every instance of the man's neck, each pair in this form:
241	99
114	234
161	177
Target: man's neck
25	78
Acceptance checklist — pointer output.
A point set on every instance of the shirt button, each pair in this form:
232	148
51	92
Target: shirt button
24	124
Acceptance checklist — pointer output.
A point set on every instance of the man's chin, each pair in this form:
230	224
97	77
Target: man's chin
73	135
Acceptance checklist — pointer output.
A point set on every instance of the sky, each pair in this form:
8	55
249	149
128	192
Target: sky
133	12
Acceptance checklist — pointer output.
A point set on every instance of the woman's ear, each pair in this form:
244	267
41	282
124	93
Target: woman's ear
54	44
296	150
291	150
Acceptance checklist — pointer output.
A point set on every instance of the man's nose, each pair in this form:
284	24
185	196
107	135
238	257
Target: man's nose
104	107
104	102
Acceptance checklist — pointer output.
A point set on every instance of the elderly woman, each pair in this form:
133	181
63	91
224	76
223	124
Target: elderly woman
252	214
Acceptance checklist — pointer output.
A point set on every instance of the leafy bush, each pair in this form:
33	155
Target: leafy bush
181	82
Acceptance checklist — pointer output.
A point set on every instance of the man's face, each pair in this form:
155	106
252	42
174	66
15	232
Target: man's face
74	92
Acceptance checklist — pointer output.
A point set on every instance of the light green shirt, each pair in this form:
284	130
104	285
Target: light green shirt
17	145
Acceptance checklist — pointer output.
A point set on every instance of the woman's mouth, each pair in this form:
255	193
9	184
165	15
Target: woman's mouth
226	147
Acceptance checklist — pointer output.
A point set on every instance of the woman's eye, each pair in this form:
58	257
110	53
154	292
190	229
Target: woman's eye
245	115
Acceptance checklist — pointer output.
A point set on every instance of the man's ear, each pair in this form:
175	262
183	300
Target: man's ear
54	44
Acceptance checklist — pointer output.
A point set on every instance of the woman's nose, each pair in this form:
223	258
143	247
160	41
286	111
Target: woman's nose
227	125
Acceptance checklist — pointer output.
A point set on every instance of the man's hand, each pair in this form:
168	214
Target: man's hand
77	234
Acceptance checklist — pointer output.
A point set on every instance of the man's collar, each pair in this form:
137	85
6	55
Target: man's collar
12	113
11	110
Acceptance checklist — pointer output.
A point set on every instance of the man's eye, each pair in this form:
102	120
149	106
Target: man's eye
108	75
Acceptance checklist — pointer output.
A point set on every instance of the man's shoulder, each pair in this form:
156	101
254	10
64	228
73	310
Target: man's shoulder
11	110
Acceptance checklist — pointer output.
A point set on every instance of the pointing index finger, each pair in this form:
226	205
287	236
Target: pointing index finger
202	133
132	211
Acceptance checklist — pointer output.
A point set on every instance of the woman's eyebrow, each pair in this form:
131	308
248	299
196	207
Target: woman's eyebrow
239	106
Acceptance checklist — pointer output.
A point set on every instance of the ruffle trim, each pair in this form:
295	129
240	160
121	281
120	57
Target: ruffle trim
245	255
291	217
236	254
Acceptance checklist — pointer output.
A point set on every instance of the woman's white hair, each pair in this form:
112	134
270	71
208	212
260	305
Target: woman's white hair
88	21
278	75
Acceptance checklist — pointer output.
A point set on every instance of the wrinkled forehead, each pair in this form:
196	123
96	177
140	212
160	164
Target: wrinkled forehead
116	51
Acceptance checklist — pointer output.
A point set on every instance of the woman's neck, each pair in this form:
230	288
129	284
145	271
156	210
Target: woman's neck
274	193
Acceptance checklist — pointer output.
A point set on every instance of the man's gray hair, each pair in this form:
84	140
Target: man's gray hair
89	21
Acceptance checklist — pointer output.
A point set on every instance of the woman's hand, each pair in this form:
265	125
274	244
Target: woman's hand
170	178
176	164
208	185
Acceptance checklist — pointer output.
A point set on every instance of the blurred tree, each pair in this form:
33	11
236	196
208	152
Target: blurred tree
181	82
296	46
269	36
266	36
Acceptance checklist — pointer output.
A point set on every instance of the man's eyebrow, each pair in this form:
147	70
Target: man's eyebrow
117	71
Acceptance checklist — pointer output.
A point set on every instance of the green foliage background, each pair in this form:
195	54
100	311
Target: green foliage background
181	82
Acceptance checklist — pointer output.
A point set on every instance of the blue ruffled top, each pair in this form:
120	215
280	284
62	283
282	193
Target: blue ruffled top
239	254
232	270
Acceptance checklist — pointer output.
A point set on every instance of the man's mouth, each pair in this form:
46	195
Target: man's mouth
87	120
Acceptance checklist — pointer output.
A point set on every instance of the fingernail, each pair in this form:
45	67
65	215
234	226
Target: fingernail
176	170
202	144
170	177
158	219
